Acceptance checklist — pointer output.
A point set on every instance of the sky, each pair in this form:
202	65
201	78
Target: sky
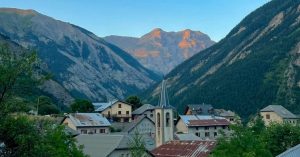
138	17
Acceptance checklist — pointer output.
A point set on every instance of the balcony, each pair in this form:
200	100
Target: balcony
117	115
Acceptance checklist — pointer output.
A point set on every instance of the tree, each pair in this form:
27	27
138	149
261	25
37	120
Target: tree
137	145
14	68
280	137
243	143
81	105
46	106
34	137
135	101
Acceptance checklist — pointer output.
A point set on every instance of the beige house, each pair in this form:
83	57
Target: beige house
117	111
87	123
203	126
278	114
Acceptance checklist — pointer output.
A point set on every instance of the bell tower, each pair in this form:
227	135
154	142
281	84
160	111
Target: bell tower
164	125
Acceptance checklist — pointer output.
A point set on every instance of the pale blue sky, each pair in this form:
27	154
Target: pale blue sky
137	17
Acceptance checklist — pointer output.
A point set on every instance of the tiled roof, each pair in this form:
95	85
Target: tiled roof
88	119
142	109
280	110
208	122
185	149
187	118
292	152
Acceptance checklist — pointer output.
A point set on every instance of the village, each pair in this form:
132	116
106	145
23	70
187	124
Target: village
113	126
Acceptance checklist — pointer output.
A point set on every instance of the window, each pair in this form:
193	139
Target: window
215	134
231	119
215	127
158	119
224	127
206	128
151	115
126	119
168	119
120	105
197	134
267	116
83	131
197	128
119	112
127	112
206	134
102	130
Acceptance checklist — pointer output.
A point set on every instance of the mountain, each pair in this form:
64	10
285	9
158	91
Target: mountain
161	51
84	64
255	65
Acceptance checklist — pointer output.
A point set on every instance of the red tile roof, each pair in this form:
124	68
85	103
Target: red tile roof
208	122
184	149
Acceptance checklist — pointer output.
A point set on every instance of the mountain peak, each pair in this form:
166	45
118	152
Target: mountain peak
156	33
18	11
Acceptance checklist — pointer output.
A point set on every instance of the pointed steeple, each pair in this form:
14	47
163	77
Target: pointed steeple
164	101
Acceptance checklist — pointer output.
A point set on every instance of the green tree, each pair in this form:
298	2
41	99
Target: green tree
280	137
35	137
14	69
243	143
137	145
81	105
46	106
135	101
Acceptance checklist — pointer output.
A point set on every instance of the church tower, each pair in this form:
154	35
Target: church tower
164	124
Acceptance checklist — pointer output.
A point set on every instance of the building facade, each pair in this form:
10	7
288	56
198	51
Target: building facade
116	111
205	127
278	114
87	123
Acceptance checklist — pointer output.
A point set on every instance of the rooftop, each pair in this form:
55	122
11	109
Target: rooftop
98	145
205	109
185	137
292	152
184	148
280	110
88	119
201	119
142	109
135	122
103	105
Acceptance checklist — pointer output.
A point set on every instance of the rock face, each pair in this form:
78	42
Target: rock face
255	65
84	64
161	51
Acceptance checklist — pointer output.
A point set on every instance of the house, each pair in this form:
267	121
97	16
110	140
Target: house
144	110
278	114
203	126
227	114
185	148
101	145
87	123
145	127
116	110
292	152
207	109
199	109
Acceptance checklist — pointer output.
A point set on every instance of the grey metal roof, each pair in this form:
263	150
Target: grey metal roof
187	118
103	105
186	137
280	110
142	109
135	122
204	109
101	145
224	113
88	119
292	152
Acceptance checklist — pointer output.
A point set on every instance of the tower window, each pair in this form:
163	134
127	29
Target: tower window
158	119
168	119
